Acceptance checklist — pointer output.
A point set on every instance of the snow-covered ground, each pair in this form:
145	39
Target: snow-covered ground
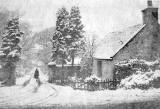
50	94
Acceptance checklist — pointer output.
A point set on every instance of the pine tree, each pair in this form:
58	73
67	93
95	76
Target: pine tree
59	38
76	32
59	50
10	49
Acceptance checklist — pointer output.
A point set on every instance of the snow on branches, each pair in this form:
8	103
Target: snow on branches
10	49
67	37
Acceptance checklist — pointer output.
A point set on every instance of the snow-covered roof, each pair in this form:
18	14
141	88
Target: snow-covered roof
77	61
51	63
115	41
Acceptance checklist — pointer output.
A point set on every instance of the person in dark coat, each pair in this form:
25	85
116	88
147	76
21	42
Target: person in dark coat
36	74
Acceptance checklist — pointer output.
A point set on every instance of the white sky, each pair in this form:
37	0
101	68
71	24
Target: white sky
98	16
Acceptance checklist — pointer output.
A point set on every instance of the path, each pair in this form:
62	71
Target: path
50	95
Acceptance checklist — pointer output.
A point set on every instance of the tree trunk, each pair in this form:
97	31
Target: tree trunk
62	72
73	70
72	60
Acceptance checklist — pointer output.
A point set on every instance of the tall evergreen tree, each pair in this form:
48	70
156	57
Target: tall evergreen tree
10	49
59	37
59	50
67	39
76	32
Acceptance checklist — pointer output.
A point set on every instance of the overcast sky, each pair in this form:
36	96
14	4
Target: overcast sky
98	16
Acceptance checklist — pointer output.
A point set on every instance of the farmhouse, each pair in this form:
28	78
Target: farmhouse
140	41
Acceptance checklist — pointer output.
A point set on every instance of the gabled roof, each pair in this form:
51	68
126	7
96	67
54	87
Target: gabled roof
115	41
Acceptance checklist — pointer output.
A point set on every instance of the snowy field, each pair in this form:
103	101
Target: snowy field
50	95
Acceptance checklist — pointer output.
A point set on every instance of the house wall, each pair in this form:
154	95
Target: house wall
94	69
99	68
155	47
107	69
145	45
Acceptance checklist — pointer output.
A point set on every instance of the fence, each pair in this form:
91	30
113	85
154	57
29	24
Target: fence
90	85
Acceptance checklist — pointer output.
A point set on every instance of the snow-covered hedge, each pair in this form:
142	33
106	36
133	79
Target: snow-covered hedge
92	78
142	80
74	79
138	74
126	68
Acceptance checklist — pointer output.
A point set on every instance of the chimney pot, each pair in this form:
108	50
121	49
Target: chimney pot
149	3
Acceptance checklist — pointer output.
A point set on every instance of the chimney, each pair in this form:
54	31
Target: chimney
150	14
149	2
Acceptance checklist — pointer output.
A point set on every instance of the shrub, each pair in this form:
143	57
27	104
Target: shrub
74	79
92	78
142	80
126	68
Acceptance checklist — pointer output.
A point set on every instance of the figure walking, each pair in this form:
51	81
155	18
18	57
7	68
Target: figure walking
36	76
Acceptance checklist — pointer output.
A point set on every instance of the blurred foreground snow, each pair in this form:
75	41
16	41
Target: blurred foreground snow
50	94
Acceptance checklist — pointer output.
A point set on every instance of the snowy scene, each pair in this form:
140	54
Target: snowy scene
78	54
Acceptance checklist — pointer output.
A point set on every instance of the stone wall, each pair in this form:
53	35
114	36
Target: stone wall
3	74
145	45
57	73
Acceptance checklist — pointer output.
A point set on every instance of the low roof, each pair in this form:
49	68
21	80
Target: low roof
115	41
68	65
77	61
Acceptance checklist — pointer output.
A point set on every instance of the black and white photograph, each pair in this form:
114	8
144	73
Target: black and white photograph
79	54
